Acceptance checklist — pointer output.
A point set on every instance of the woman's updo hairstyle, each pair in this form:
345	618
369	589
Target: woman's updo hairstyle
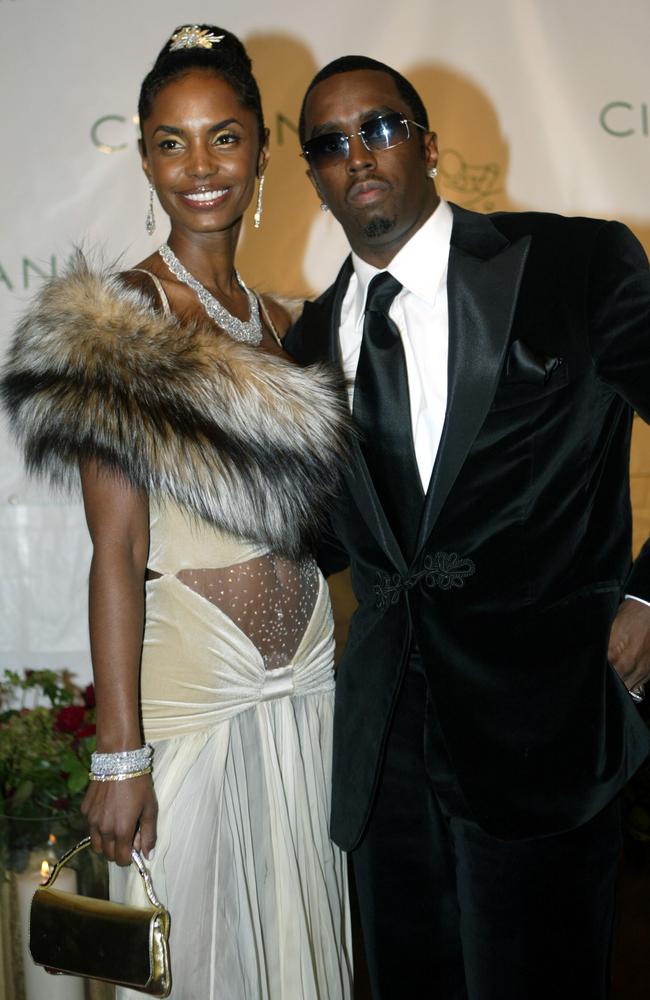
204	46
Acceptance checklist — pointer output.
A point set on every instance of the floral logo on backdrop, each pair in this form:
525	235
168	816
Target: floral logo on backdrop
473	185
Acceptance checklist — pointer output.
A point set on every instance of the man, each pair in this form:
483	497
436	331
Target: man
481	736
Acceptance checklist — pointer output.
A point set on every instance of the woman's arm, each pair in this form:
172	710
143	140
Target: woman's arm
120	814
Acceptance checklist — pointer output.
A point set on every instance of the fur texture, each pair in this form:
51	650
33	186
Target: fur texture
247	441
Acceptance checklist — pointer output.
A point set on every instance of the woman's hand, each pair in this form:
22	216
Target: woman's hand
121	815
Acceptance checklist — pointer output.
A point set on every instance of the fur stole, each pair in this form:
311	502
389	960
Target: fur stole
247	441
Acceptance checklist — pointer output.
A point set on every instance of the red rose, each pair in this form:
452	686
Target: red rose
62	803
88	730
89	696
70	718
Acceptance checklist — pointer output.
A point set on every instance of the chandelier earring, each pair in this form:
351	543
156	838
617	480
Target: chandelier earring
257	218
432	172
150	220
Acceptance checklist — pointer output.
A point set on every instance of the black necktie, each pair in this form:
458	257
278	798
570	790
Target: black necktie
382	412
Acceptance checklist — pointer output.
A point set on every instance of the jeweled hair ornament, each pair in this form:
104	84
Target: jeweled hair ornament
193	36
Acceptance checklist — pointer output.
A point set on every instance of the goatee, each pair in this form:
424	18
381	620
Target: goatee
377	227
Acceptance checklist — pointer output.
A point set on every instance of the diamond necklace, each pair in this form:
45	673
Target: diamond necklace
246	331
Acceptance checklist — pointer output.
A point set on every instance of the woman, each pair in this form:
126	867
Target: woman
205	460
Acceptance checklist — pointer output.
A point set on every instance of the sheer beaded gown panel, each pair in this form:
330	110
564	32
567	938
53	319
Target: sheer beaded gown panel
270	599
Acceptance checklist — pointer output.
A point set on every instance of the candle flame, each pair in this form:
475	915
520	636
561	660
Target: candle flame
45	871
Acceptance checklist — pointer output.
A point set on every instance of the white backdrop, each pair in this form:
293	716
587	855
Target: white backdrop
539	104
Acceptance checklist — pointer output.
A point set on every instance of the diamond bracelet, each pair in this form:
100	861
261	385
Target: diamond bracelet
123	762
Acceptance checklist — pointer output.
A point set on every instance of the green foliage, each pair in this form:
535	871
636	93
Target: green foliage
47	734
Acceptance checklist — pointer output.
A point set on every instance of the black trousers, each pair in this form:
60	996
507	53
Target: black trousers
451	913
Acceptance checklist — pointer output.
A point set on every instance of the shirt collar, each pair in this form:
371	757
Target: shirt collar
420	266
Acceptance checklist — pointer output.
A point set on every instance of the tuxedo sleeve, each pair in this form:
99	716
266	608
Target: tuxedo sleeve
619	330
638	582
292	339
331	556
619	315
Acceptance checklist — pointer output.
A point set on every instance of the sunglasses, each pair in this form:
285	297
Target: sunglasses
382	132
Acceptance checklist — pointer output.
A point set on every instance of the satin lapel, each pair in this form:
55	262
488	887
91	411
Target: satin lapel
363	491
482	297
319	323
320	339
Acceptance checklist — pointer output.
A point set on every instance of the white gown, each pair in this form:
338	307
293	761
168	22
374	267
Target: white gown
237	695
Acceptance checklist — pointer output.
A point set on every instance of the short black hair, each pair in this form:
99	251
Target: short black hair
227	58
347	64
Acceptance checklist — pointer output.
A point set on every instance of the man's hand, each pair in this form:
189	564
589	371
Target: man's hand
629	643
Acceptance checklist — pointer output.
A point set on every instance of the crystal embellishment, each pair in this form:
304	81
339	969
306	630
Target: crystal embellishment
122	762
245	331
192	36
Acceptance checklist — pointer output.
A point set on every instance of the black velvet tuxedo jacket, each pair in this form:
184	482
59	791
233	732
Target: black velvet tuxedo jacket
524	546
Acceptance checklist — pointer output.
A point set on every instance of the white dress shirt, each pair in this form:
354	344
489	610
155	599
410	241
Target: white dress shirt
421	315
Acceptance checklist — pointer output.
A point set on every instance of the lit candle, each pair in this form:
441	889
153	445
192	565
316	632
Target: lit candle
39	984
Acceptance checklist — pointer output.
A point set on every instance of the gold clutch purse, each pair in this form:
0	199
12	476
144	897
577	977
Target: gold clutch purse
78	936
